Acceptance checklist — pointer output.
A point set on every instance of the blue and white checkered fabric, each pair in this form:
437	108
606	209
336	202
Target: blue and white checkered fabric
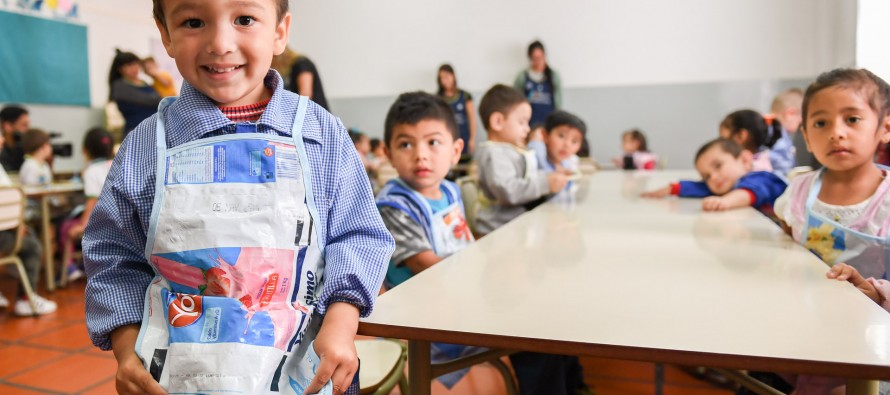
357	244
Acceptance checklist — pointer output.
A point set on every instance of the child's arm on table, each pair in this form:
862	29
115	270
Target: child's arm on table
422	261
736	198
693	189
357	254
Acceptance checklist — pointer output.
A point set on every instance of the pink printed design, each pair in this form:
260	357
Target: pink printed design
260	279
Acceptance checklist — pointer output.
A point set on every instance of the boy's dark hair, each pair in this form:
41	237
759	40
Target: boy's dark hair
761	133
637	135
412	107
121	58
726	145
158	11
563	118
33	139
99	144
12	113
876	90
499	99
375	143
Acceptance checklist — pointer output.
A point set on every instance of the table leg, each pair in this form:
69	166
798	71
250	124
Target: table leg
862	387
659	379
47	247
419	368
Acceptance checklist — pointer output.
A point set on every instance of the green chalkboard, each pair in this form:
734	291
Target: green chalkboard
43	61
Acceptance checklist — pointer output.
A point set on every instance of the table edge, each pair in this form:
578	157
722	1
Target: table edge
679	357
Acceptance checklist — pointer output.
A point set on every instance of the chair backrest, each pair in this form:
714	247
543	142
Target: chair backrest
469	190
385	173
12	210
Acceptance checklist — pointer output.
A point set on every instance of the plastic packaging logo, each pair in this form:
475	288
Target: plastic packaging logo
184	310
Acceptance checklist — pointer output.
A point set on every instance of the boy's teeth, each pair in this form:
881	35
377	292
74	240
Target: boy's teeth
226	70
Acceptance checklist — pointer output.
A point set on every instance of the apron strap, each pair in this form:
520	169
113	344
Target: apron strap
161	171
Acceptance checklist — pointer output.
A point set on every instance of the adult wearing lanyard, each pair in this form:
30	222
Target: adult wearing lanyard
540	84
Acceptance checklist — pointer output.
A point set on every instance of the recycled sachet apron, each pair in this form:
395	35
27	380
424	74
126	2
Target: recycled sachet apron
238	264
836	243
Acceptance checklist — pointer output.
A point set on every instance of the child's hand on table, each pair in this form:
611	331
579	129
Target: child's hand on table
658	193
557	181
335	345
845	272
715	203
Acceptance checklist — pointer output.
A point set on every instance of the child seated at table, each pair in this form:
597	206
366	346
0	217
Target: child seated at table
636	152
98	150
842	212
423	211
35	170
31	254
754	133
509	179
728	181
556	149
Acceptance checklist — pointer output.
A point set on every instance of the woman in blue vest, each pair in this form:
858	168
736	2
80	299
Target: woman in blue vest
461	103
540	84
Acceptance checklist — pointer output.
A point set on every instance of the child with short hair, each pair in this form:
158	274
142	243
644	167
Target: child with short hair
228	256
559	143
636	152
31	254
752	131
842	212
511	184
424	211
509	179
38	151
786	109
98	150
728	181
162	81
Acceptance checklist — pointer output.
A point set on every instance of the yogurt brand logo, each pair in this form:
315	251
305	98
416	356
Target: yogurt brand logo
268	151
184	310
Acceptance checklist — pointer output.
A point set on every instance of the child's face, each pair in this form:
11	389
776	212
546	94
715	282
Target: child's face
150	67
423	154
447	79
513	126
629	144
224	48
720	170
537	60
380	151
131	71
842	130
20	125
563	142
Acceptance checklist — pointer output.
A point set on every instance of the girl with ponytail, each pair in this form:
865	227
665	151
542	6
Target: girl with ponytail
754	133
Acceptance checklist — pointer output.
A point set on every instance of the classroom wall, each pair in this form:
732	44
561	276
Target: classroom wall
673	69
871	37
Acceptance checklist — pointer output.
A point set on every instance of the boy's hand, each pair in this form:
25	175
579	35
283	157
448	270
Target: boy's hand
131	376
714	203
557	181
845	272
658	193
335	345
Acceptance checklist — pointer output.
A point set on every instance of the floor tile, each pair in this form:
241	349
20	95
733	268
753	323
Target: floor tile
16	358
73	337
101	389
12	390
70	374
14	328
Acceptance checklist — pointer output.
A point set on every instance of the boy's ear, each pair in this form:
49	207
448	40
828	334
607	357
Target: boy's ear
387	152
165	37
496	121
282	32
747	158
458	148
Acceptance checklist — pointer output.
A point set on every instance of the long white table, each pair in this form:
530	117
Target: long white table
608	274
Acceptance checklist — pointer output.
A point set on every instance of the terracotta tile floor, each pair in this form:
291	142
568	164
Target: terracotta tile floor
53	355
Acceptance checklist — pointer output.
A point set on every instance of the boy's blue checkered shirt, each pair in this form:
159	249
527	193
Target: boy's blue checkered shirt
357	244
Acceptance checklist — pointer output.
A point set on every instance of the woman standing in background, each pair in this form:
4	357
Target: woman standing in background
540	84
135	99
300	76
461	103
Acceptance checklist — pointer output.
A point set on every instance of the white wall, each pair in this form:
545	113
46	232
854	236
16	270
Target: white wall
871	37
374	48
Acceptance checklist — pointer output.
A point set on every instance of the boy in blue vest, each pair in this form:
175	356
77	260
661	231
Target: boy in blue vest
423	211
236	236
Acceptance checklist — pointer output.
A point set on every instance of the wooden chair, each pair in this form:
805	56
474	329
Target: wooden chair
12	212
382	366
469	190
385	173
